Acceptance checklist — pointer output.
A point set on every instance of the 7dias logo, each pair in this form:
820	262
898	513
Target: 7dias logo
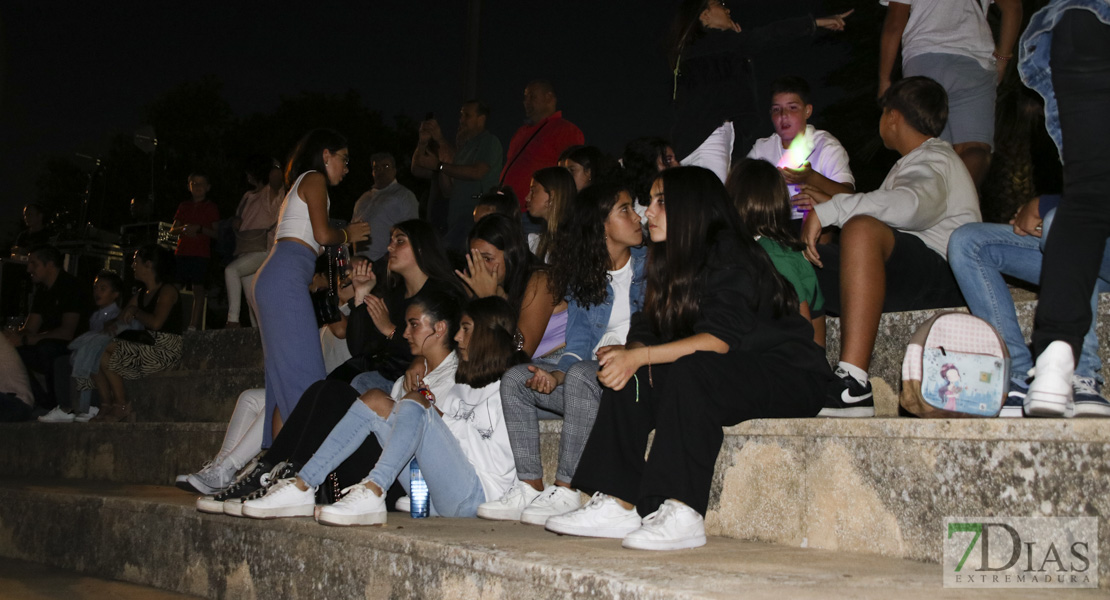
1021	552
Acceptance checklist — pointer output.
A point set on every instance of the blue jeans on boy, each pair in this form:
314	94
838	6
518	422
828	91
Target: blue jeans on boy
980	253
454	489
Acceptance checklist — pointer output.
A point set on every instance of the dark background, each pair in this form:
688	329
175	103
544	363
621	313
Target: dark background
220	81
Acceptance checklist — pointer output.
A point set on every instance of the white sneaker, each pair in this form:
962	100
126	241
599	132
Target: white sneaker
57	415
601	517
1050	393
509	506
403	504
214	478
358	506
675	526
285	499
86	417
553	501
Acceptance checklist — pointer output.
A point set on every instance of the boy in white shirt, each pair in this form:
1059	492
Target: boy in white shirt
893	246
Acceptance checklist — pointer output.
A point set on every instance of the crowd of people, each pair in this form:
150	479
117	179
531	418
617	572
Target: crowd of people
553	281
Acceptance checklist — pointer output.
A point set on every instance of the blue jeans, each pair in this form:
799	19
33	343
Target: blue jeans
980	253
371	380
454	489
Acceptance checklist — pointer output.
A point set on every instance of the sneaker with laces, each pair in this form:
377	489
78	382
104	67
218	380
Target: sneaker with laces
675	526
1087	393
233	506
847	397
250	479
284	499
358	506
509	506
1014	407
553	501
403	504
1050	393
213	478
57	415
601	517
85	417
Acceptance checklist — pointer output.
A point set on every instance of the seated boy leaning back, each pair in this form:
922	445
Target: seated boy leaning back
892	254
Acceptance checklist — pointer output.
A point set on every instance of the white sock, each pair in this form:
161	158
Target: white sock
857	373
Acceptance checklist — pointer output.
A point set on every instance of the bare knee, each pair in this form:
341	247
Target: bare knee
378	401
866	233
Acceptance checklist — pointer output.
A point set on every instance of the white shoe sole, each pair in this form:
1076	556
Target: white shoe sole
278	512
633	543
1040	404
537	518
855	412
1011	412
588	531
345	520
201	487
210	506
233	508
1092	409
499	514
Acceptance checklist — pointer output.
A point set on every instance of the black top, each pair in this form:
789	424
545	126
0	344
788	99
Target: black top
715	81
29	239
727	292
175	321
369	349
65	296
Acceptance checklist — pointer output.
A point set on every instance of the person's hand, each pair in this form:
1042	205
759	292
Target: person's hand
542	380
319	282
884	85
128	314
481	279
427	160
797	176
236	223
358	231
618	365
834	22
414	375
379	313
1000	67
808	197
1027	220
424	132
362	279
811	231
111	327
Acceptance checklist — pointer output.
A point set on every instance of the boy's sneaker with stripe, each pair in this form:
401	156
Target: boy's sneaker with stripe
1087	392
847	397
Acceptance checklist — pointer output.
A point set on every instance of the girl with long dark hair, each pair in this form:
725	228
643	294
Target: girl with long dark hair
286	320
457	435
719	341
601	272
714	90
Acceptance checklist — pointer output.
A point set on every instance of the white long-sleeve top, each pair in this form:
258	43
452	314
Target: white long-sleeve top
475	418
928	193
438	380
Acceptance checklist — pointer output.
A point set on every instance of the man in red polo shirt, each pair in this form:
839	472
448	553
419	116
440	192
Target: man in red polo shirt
539	142
195	222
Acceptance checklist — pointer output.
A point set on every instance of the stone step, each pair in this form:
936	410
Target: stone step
874	486
201	395
153	536
222	348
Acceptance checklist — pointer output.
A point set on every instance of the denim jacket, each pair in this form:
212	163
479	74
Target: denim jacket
1035	51
586	324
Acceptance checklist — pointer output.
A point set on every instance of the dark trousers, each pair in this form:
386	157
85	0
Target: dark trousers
43	358
692	399
12	409
322	406
1080	63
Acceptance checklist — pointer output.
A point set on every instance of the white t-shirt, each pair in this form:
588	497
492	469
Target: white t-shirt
475	418
828	157
617	330
947	27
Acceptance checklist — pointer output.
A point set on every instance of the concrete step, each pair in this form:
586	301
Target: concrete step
153	536
23	580
222	348
202	395
872	486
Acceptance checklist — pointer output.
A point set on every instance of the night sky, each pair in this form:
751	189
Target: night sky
74	74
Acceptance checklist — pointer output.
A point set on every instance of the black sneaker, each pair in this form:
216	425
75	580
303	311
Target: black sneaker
1014	407
283	470
250	479
846	397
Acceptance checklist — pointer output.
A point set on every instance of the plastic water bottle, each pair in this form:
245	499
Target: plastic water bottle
418	492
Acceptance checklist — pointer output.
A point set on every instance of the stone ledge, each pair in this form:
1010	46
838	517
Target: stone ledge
153	536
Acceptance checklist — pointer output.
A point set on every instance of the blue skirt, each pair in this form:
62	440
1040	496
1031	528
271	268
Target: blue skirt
287	324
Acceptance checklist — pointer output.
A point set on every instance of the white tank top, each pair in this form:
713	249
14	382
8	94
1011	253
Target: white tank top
294	221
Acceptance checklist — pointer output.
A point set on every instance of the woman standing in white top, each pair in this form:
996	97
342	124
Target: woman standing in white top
286	320
254	225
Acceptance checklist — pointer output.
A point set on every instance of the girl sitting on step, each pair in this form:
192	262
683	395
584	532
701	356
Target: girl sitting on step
719	341
457	436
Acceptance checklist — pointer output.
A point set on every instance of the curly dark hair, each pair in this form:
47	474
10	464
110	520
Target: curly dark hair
581	272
